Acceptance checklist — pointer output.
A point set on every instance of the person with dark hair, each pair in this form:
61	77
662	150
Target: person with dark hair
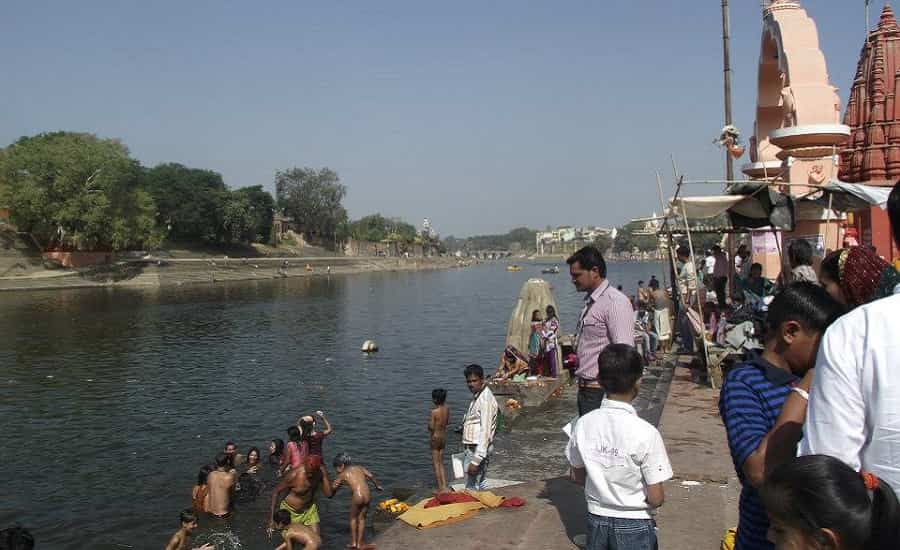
551	341
294	533
757	288
200	491
252	461
853	404
182	537
856	276
301	485
662	309
536	344
16	538
437	427
607	318
760	435
687	288
817	501
234	459
479	427
221	483
357	480
276	450
619	458
720	276
800	258
314	438
296	450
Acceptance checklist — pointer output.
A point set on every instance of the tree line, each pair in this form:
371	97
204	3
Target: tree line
77	191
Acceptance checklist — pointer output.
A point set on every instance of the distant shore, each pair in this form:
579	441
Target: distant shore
172	272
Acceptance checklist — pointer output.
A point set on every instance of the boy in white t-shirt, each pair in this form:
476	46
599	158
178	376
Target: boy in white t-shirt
620	459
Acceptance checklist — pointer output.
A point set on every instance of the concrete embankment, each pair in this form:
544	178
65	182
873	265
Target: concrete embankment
210	271
701	501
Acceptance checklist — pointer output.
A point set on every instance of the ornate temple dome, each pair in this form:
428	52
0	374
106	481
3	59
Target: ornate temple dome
873	111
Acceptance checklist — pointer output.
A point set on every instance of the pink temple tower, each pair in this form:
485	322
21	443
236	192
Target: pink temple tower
873	114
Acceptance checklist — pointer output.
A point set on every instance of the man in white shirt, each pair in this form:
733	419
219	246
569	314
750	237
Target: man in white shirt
479	427
854	405
619	458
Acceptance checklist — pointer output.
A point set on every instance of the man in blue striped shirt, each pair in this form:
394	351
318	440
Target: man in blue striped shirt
755	390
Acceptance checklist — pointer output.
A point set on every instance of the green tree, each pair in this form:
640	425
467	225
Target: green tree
262	209
190	201
313	198
75	190
632	235
603	242
238	221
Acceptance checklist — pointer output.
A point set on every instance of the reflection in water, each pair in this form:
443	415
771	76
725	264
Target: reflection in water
114	398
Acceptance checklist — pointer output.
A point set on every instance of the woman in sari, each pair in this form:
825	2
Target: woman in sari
536	344
856	276
550	334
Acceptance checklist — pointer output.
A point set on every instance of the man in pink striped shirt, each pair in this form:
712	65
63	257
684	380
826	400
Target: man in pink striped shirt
607	318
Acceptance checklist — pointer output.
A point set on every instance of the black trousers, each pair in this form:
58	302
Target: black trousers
589	399
719	284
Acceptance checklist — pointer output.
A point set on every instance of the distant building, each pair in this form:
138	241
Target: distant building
566	239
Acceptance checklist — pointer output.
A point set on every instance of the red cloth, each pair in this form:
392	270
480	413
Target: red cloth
449	498
512	502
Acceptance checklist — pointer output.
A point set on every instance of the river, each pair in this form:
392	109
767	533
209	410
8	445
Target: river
113	398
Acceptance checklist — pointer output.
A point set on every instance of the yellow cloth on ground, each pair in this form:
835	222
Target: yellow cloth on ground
421	518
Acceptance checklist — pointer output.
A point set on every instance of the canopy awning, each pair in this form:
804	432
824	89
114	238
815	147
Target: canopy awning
851	197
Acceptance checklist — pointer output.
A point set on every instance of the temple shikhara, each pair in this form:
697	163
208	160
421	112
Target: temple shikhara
872	155
801	140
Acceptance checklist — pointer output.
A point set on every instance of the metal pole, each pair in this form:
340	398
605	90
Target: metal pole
726	57
687	229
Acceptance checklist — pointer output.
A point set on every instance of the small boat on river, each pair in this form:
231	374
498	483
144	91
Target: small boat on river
514	267
513	381
551	270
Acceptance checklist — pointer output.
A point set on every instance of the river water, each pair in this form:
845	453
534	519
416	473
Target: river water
111	399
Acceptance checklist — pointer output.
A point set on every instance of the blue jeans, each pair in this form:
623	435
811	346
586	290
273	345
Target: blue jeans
476	482
606	533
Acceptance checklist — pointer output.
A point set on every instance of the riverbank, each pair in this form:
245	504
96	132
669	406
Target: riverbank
701	501
185	271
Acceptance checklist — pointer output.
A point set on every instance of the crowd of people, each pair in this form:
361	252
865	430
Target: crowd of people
301	475
812	420
299	468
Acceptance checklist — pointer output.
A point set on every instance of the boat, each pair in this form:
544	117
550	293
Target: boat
532	390
514	267
551	270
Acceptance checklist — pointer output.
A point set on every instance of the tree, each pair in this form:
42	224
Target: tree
313	198
630	237
262	210
603	242
77	191
190	201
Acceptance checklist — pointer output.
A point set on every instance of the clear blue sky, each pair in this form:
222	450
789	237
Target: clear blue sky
481	116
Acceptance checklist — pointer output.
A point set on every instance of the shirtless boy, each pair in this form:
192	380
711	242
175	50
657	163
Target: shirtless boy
302	484
357	479
294	534
221	483
179	540
437	425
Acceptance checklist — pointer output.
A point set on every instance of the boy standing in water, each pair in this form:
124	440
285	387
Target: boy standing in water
437	425
357	479
179	540
294	535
